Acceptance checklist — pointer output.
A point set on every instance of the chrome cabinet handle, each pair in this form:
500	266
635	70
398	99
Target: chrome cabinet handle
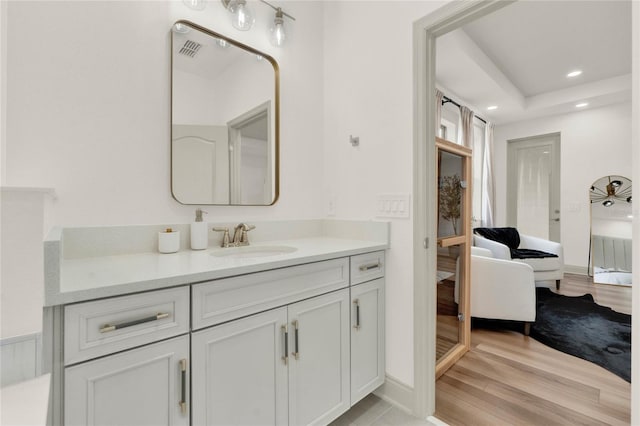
370	266
183	389
112	327
296	353
285	357
357	305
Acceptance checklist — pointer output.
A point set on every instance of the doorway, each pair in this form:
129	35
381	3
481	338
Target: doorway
533	186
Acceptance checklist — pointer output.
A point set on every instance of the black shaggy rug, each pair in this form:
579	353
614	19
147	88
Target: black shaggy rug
580	327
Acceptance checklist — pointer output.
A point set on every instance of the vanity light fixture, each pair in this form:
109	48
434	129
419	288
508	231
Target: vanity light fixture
582	104
574	74
242	16
492	107
277	34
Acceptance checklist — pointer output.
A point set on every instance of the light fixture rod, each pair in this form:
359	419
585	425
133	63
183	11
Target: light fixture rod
275	8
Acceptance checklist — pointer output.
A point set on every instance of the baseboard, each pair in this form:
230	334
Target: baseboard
436	421
574	269
21	358
397	393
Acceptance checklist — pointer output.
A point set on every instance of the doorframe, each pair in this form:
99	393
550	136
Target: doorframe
512	202
425	32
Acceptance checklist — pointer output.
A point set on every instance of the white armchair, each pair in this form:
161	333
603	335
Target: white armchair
502	289
545	269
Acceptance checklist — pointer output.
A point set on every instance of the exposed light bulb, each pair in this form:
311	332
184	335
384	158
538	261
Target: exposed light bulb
582	104
195	4
242	16
278	35
574	73
607	203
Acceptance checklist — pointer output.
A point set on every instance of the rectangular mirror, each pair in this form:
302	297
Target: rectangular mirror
224	120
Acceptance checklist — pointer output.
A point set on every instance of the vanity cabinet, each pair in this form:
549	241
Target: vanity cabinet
297	345
285	366
240	372
144	386
319	359
367	338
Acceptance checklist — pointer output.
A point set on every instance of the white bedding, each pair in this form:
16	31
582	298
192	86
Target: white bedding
607	276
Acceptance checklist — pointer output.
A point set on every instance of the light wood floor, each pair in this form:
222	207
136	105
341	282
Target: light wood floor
510	379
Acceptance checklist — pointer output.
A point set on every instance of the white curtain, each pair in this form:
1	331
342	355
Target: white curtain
465	129
439	96
488	179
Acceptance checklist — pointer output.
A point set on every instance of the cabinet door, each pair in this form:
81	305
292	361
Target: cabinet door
143	386
367	338
240	373
319	358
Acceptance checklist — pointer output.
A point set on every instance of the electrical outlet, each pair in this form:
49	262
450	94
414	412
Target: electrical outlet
331	205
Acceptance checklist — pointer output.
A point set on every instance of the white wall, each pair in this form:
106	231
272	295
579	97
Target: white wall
3	91
594	143
88	106
368	93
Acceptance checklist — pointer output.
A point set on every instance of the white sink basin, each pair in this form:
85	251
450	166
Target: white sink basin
253	251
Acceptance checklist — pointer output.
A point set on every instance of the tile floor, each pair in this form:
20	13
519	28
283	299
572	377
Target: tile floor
373	411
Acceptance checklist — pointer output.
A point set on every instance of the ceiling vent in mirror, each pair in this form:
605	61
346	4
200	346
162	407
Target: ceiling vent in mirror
190	48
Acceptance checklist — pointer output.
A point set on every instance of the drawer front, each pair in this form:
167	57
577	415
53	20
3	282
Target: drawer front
101	327
367	267
222	300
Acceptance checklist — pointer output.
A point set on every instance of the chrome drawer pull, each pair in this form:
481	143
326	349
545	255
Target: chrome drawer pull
370	266
112	327
296	353
285	358
357	305
183	388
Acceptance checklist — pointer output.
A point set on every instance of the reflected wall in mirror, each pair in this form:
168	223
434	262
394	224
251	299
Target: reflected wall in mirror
224	120
611	223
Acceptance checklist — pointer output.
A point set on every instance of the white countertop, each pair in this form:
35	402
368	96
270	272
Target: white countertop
26	403
96	277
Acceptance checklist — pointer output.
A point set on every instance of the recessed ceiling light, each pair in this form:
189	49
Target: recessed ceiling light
492	107
582	104
574	73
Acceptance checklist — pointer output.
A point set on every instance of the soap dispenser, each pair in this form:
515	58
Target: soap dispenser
199	232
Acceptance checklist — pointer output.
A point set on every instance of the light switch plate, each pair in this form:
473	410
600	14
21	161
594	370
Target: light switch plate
393	205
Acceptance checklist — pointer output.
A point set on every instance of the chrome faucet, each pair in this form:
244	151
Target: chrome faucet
240	237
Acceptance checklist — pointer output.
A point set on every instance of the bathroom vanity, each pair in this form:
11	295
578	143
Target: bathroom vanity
278	332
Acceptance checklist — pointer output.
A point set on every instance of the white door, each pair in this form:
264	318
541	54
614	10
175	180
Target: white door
240	375
533	186
319	359
367	338
200	164
144	386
